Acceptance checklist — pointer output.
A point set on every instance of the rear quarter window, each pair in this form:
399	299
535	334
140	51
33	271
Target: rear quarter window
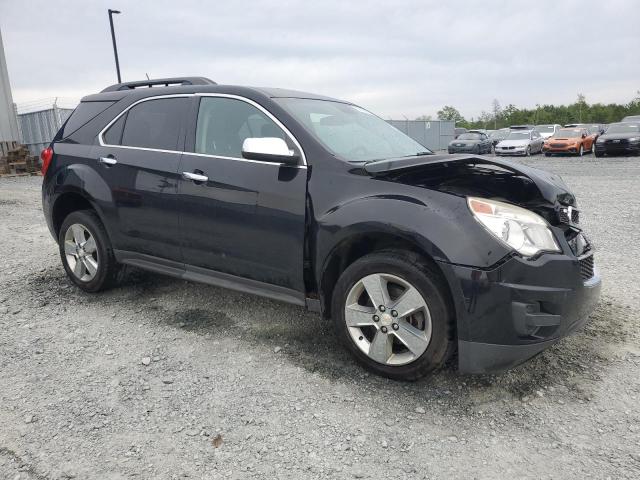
84	113
155	124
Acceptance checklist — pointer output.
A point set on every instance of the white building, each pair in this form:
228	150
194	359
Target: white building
8	121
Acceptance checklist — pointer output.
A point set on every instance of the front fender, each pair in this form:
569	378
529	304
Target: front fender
439	224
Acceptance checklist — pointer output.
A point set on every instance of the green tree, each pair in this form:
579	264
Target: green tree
451	114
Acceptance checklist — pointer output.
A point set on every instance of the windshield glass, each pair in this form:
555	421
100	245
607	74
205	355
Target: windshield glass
623	128
470	136
499	134
518	136
545	128
349	132
568	133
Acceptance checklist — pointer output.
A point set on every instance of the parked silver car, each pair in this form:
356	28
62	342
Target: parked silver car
520	142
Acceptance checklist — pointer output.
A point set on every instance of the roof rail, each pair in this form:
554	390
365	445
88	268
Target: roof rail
166	82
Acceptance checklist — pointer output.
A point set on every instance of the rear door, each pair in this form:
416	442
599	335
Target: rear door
247	218
138	156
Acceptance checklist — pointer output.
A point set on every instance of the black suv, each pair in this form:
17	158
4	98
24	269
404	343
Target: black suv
317	202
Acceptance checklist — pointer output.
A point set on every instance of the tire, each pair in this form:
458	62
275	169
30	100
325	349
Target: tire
547	154
598	154
93	266
430	330
527	153
580	151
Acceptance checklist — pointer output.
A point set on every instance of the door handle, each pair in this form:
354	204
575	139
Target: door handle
196	177
107	161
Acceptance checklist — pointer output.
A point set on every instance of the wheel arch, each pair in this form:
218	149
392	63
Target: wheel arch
356	246
68	201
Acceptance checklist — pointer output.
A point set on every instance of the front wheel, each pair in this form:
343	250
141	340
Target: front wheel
581	151
390	310
86	252
528	151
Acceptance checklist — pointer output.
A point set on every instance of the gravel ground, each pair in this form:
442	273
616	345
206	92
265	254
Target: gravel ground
161	378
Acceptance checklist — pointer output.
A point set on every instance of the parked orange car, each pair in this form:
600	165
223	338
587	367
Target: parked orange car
574	141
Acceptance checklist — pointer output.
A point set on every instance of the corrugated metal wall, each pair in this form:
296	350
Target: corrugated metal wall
433	134
37	129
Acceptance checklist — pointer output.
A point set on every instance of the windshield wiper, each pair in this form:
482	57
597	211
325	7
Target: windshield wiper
418	154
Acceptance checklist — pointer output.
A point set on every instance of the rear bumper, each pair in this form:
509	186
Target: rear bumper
517	310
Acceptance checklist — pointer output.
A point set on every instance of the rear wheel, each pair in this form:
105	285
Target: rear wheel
390	311
86	252
528	151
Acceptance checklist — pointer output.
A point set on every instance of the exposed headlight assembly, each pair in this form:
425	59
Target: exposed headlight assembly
521	229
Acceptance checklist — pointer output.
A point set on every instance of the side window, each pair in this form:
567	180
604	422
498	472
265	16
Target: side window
224	124
155	124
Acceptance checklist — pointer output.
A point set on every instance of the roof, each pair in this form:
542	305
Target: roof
173	86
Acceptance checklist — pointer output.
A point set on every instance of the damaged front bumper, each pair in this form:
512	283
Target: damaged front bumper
510	313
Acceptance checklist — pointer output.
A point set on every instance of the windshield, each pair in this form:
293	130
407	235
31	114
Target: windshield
518	136
568	133
498	134
623	128
545	128
469	136
349	132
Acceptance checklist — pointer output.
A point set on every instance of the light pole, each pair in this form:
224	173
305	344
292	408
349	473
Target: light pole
113	39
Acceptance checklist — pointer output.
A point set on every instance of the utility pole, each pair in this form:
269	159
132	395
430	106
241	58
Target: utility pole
113	39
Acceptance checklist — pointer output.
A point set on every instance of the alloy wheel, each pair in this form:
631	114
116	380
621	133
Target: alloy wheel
388	319
80	252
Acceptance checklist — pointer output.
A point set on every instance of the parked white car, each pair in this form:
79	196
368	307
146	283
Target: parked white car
547	131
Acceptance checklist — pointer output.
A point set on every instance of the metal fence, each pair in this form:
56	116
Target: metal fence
37	129
433	134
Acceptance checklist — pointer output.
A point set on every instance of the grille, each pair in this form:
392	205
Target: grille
557	145
586	267
564	215
615	142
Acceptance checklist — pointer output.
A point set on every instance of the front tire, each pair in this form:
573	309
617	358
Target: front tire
86	252
580	151
390	310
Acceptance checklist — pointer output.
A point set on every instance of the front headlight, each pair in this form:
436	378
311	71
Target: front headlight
521	229
634	139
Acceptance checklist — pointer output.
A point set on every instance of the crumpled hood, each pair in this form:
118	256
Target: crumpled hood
551	186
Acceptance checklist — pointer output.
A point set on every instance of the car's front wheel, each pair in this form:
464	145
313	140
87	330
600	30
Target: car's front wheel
390	310
581	151
86	252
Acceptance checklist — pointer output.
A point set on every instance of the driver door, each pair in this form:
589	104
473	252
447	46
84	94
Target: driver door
243	217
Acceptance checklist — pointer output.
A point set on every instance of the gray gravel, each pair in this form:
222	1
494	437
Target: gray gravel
162	378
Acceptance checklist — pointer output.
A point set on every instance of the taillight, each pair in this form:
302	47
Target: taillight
46	155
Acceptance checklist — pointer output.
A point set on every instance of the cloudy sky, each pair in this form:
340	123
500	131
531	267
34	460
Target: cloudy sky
397	58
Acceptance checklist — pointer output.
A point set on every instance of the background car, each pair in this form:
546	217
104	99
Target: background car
631	118
620	138
573	141
458	131
520	142
473	141
498	135
547	131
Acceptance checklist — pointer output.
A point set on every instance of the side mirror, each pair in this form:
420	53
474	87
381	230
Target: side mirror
269	149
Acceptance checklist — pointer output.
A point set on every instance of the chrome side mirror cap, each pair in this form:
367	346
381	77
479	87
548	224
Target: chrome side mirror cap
269	149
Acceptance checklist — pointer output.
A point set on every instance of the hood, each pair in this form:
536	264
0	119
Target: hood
619	136
568	141
514	143
476	175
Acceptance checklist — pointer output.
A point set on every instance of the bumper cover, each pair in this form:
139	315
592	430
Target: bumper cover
520	308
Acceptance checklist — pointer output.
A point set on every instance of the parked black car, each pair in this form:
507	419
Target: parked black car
620	139
471	142
319	203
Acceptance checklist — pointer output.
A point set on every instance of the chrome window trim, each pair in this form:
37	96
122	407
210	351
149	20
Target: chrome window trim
220	95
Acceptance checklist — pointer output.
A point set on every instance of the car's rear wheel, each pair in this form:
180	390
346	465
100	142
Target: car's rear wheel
86	252
391	312
528	151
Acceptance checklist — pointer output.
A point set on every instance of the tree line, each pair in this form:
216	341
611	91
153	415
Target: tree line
578	112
